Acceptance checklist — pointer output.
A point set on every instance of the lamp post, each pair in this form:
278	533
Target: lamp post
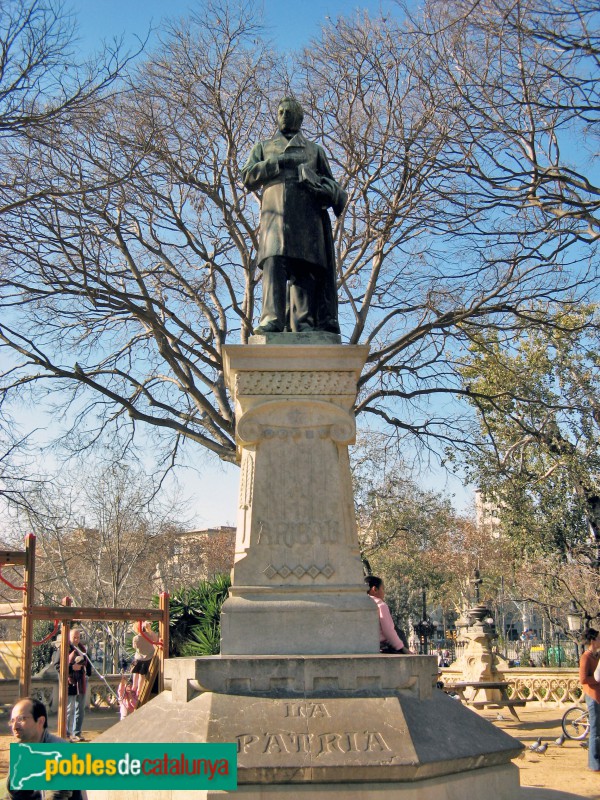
574	622
476	581
425	628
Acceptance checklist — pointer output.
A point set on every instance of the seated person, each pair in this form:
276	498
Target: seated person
389	641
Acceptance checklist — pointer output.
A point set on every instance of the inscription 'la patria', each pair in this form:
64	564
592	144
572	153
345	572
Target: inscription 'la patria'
306	710
316	744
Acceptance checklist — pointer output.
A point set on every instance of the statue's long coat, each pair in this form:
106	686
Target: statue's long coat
294	222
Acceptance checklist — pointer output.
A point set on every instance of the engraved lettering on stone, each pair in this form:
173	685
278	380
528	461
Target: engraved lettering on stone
295	434
375	741
299	742
316	744
331	741
275	744
289	533
295	383
306	710
303	505
244	742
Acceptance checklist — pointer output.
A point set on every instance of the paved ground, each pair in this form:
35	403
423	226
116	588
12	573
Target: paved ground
560	769
560	774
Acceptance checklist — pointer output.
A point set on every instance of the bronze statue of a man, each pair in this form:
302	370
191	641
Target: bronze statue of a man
295	250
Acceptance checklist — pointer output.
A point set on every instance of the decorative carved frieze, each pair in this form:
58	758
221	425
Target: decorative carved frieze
299	571
262	382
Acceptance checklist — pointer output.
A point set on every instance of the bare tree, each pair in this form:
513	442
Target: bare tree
42	85
100	532
119	292
162	264
551	584
516	82
16	476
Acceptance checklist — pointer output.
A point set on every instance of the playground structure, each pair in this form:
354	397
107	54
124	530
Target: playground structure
63	616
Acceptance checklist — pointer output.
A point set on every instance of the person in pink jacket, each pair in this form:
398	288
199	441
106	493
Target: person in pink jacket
389	641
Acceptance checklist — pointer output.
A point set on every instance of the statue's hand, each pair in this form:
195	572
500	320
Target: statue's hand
319	194
289	160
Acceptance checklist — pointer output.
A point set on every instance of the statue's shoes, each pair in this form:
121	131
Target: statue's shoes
330	327
269	327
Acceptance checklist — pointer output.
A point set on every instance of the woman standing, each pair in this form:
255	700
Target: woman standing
591	688
144	644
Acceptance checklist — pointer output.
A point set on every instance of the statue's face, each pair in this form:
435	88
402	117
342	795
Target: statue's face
287	118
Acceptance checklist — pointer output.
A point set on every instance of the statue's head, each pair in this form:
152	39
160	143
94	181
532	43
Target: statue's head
289	115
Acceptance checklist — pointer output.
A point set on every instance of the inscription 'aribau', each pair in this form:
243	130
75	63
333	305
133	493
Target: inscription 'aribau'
289	532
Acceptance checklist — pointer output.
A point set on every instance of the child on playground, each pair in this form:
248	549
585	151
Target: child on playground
144	645
128	698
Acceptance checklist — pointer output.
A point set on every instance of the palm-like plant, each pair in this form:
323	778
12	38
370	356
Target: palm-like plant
195	617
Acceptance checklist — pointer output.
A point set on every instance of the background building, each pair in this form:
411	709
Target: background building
195	556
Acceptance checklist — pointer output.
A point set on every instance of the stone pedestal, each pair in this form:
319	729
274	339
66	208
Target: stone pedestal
297	576
315	710
360	727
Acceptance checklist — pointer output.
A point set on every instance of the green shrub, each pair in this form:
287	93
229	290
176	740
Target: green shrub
195	617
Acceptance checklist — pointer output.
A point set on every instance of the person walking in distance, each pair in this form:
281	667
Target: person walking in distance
588	670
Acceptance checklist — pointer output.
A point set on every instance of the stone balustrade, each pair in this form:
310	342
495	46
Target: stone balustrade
546	686
46	689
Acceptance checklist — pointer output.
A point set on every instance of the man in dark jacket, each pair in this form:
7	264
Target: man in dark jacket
295	239
29	723
80	668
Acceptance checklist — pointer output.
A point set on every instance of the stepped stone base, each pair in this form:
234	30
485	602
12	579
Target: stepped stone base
499	783
332	726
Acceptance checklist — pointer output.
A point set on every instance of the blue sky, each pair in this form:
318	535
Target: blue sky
290	24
